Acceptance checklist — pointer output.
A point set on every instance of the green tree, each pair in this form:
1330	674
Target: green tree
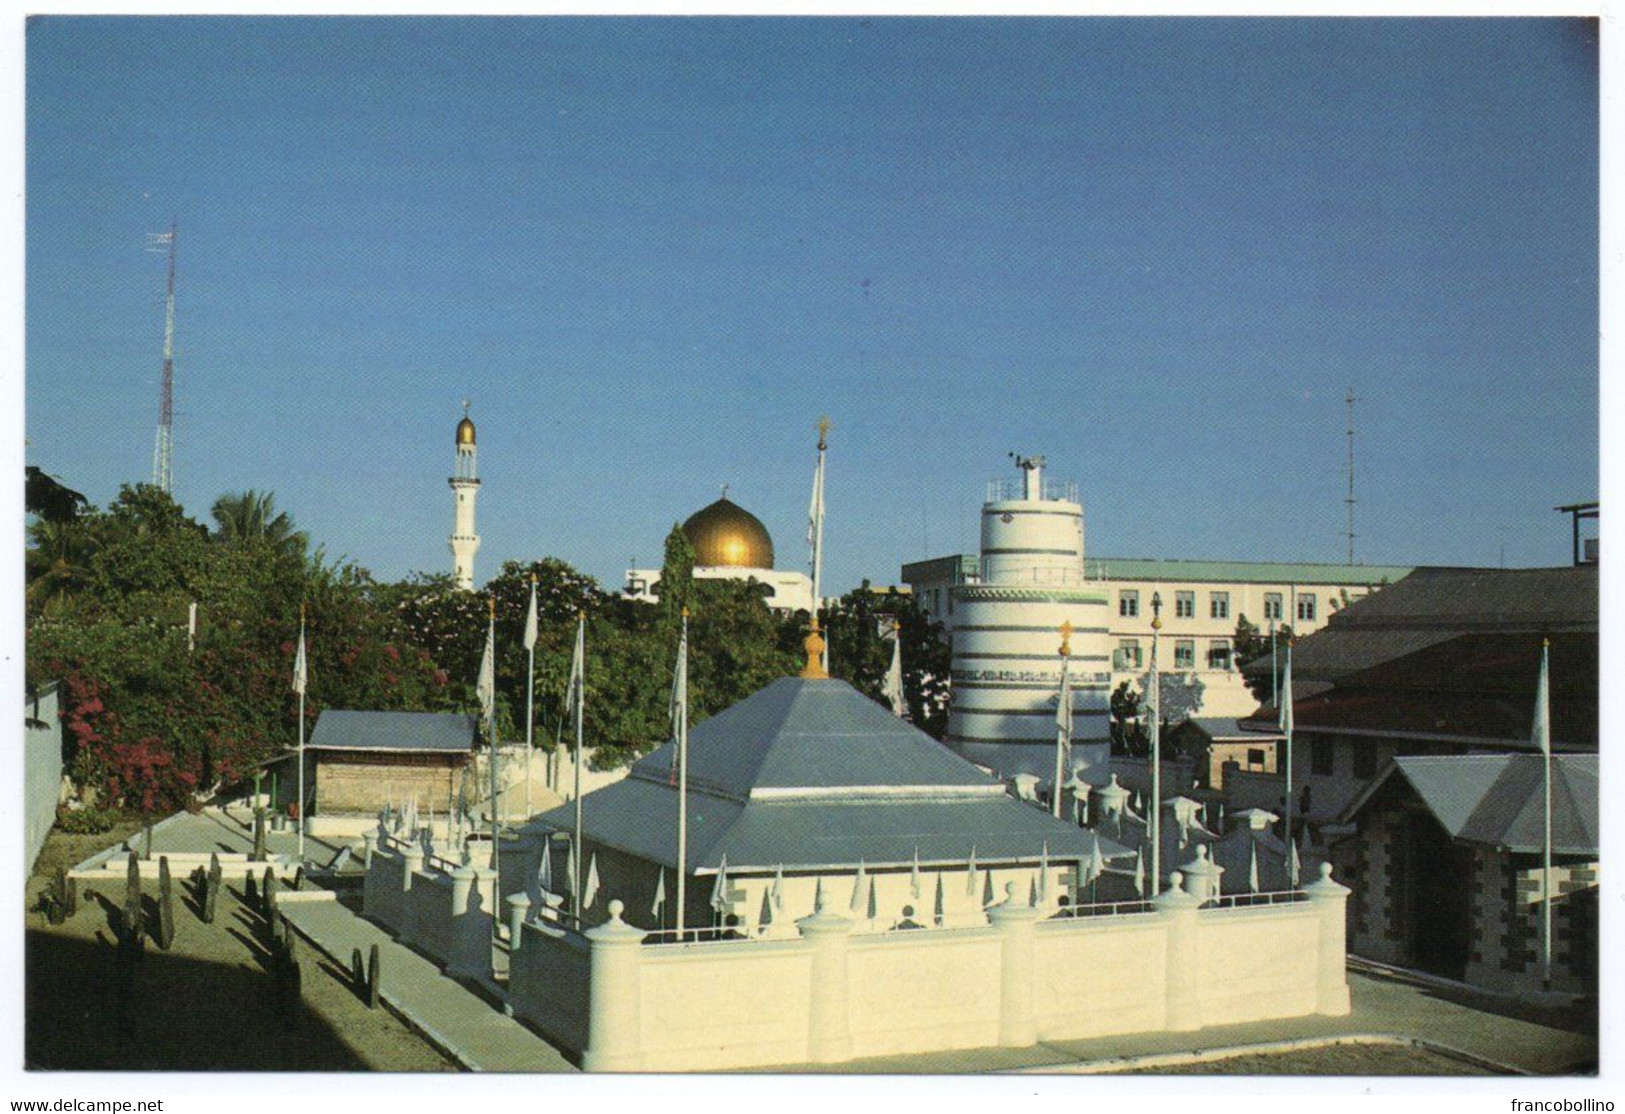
1128	731
1250	645
251	516
676	585
858	628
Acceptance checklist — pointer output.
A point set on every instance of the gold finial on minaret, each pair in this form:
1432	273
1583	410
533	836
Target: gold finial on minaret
685	611
823	434
814	670
492	600
533	578
1066	638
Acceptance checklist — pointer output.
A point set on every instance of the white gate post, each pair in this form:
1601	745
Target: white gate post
1177	910
1330	900
1018	1028
829	1031
614	1020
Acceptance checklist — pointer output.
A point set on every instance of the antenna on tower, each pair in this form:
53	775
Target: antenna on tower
163	450
1349	499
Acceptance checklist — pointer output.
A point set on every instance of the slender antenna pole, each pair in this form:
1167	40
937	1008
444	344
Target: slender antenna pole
1349	499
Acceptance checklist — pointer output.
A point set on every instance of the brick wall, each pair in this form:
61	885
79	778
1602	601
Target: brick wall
361	784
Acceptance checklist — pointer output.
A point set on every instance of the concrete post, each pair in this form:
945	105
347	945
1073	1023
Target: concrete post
1201	875
369	840
1330	901
1014	920
614	1021
1181	974
469	949
411	864
830	1026
518	914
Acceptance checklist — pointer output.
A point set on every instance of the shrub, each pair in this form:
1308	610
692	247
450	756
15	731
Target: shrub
86	821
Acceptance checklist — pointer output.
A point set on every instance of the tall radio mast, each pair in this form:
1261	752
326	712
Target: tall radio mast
162	452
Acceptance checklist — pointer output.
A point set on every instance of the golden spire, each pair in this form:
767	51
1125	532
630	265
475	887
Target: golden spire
1066	638
814	670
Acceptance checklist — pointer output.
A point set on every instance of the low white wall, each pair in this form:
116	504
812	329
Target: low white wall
442	910
829	995
42	771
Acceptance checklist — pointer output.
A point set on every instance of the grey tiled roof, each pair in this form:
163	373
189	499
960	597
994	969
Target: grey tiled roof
810	774
338	729
1497	799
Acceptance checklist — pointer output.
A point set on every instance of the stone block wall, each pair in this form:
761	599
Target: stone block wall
362	785
1373	865
1507	898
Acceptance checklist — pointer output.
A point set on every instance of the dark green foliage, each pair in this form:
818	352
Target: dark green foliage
1250	645
858	629
676	585
132	897
86	821
374	963
1129	734
166	905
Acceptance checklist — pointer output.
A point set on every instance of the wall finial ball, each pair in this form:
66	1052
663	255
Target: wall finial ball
616	908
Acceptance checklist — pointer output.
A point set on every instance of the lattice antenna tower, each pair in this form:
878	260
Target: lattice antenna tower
1348	500
164	450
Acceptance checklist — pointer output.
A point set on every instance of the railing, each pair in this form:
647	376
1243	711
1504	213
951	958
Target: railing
1245	901
999	491
1047	576
1104	909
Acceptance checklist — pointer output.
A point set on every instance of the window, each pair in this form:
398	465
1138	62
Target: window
1255	758
1184	605
1322	758
1306	608
1185	654
1272	606
1365	763
1218	655
1128	603
1219	605
1128	654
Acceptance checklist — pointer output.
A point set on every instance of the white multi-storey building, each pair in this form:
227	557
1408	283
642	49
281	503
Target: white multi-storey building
1202	603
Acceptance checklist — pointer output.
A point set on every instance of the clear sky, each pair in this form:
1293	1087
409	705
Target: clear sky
653	251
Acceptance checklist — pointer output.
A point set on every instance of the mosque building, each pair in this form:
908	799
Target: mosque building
730	543
807	788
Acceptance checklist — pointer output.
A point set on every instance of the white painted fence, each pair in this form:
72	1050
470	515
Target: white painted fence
828	996
441	910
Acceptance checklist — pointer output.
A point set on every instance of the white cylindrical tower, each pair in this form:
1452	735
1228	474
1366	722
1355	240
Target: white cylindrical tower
1006	668
465	485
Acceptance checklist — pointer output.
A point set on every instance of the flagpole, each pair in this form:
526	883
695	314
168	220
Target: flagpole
1275	672
530	692
581	685
682	781
1154	813
1543	730
491	735
818	534
302	670
1288	725
1063	720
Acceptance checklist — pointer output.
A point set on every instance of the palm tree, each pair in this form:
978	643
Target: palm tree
253	517
58	563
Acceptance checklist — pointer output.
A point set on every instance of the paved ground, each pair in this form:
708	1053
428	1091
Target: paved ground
230	830
461	1023
1382	1005
1344	1059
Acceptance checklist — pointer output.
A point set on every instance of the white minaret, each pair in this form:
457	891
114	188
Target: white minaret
465	483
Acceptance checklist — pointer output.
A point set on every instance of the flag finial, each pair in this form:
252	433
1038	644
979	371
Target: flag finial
685	611
823	433
493	603
533	576
814	670
1066	638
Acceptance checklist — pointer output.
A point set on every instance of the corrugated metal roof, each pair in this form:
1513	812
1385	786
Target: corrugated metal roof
1229	728
338	729
640	817
1243	572
1497	799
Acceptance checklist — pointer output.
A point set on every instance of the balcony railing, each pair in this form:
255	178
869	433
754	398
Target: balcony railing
1000	491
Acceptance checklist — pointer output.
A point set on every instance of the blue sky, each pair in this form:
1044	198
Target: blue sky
653	251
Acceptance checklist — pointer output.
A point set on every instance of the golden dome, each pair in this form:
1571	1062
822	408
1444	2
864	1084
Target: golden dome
465	432
726	534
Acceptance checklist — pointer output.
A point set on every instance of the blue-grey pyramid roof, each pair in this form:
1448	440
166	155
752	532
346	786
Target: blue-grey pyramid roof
342	729
813	774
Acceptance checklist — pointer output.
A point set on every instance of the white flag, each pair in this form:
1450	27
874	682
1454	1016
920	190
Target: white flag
860	886
1043	877
815	509
486	688
894	677
1252	870
1139	870
778	890
530	620
1286	693
914	874
1097	864
719	891
589	888
678	706
658	910
544	869
299	667
1543	706
970	873
578	664
1294	866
